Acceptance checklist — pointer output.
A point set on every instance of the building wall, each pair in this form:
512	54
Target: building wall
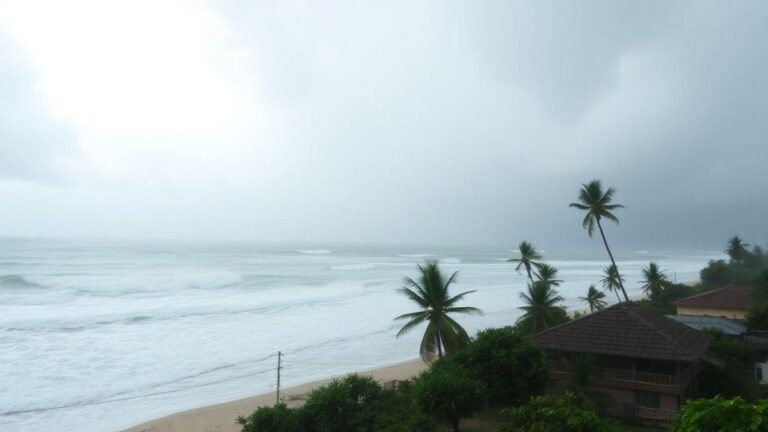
668	402
728	313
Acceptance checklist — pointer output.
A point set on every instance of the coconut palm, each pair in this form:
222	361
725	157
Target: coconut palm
612	280
443	334
598	205
737	249
529	257
547	274
594	298
541	309
654	280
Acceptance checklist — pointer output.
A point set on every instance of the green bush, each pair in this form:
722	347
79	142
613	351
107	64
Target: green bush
722	415
397	412
448	393
511	367
278	418
565	413
732	379
347	405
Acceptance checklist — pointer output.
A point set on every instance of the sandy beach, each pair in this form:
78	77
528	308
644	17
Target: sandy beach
221	417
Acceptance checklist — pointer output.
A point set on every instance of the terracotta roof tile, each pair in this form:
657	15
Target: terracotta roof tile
728	297
626	329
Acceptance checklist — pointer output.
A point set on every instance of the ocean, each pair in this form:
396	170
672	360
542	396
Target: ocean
98	336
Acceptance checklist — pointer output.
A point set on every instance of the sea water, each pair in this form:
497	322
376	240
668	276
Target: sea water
101	335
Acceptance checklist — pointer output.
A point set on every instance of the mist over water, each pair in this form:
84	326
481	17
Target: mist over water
98	336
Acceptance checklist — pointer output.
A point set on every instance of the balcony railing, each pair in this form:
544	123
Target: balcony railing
629	374
653	414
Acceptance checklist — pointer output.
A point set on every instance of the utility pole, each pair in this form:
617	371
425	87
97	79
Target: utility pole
277	397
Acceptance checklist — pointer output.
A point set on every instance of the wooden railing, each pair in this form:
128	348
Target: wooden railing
646	377
653	414
630	375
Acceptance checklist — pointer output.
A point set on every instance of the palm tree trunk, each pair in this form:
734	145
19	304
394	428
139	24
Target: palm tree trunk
439	345
605	242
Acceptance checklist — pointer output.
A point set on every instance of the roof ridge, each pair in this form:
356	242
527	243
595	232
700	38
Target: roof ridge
589	315
713	291
658	330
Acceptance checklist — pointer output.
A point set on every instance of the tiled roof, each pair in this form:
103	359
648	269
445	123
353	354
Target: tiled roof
728	297
626	329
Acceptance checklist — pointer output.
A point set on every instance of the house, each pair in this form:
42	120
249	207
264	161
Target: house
731	301
645	362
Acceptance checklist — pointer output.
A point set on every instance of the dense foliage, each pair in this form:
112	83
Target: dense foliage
734	378
564	413
278	418
757	318
511	367
346	405
448	393
354	404
722	415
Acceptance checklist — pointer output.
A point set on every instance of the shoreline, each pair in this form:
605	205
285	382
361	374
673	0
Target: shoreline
221	417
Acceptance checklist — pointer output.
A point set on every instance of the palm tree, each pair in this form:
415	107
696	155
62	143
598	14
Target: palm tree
654	280
542	308
529	257
594	298
430	292
547	274
737	249
612	280
598	205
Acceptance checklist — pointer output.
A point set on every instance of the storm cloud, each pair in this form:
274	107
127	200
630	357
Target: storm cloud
417	122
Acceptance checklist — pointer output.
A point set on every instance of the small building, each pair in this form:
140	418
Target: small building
728	326
731	301
645	362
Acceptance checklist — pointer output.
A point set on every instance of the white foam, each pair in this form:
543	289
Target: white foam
314	251
349	267
191	329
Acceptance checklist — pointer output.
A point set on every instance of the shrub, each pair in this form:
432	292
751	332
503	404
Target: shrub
448	393
566	413
278	418
510	366
348	405
733	378
398	412
757	318
722	415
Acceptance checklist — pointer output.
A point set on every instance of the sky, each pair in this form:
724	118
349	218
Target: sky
400	122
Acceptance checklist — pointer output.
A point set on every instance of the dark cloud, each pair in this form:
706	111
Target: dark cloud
456	122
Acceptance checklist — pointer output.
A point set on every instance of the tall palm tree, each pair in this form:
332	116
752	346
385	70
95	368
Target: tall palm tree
541	309
737	249
598	205
430	291
654	280
547	274
594	298
529	258
612	280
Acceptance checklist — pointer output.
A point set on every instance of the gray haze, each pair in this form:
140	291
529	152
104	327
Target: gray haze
417	122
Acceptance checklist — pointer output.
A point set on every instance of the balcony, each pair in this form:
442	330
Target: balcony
632	375
653	414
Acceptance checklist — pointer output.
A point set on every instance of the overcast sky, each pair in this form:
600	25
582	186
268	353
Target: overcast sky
417	122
